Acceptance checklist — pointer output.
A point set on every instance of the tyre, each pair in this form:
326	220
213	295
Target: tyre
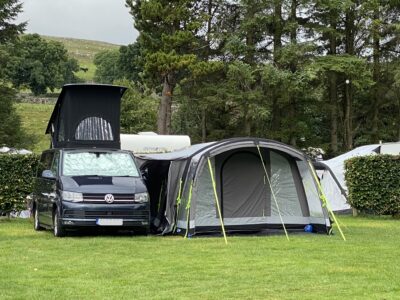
36	222
58	228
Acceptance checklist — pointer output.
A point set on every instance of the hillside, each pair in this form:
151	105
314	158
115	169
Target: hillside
84	51
34	119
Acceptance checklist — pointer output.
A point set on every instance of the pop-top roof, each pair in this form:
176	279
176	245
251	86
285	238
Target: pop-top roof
86	115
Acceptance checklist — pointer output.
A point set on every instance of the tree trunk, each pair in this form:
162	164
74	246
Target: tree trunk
376	78
293	19
277	36
203	126
333	111
249	57
278	30
293	69
247	126
398	119
165	107
348	122
348	119
332	92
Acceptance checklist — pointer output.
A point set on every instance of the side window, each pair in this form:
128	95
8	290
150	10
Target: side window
94	129
61	131
45	162
55	163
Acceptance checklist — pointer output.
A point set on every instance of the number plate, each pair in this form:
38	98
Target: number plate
109	222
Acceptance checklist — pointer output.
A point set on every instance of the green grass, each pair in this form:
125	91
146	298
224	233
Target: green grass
34	119
84	51
36	265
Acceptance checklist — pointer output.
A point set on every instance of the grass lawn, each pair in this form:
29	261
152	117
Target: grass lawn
34	119
36	265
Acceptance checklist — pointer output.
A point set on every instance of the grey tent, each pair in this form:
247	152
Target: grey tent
259	184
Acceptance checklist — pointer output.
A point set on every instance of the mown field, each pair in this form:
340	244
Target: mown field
34	119
36	265
84	51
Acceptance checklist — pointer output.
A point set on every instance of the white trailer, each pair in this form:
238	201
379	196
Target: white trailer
150	142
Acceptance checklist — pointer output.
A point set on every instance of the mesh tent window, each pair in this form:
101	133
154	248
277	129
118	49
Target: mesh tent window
94	129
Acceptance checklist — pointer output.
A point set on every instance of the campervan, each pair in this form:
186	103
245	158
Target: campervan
84	179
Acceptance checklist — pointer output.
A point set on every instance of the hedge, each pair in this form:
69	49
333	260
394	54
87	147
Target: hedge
16	180
374	184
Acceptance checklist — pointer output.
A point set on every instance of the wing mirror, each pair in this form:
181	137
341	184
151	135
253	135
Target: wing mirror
48	174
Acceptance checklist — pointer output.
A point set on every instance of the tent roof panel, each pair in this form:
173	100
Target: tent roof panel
214	148
176	155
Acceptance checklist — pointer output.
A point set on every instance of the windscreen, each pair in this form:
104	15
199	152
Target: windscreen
99	163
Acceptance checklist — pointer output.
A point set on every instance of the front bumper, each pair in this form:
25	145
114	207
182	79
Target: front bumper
84	215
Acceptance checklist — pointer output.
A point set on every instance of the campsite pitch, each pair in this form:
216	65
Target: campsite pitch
36	265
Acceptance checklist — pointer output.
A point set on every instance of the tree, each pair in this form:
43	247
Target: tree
138	110
11	134
124	63
382	39
9	10
40	64
10	125
9	31
130	62
107	68
305	72
168	37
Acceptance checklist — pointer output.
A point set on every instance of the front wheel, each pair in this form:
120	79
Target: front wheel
58	228
36	222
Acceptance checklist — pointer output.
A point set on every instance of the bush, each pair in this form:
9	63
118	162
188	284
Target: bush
374	184
16	180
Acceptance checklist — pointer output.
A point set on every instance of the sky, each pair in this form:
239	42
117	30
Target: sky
101	20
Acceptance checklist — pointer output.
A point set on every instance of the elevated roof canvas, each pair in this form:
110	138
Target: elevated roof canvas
99	104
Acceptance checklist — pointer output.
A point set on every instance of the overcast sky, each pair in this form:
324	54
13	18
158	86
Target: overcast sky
102	20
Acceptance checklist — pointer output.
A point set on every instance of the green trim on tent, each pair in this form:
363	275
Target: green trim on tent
216	200
178	202
188	208
324	201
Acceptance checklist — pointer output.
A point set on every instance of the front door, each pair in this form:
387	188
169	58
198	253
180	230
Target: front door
244	193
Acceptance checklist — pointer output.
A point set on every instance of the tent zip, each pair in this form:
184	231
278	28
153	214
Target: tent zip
188	209
324	200
272	192
216	199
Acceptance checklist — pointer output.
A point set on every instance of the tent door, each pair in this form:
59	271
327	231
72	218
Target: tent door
242	186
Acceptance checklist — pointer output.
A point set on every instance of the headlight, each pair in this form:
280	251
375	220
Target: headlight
142	197
71	196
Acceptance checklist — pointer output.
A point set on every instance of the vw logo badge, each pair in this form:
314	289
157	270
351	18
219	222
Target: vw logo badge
109	198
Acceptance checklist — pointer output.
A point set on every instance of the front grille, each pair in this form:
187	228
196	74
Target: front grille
94	214
118	198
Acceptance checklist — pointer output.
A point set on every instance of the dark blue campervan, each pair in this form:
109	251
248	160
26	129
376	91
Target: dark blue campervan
85	179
